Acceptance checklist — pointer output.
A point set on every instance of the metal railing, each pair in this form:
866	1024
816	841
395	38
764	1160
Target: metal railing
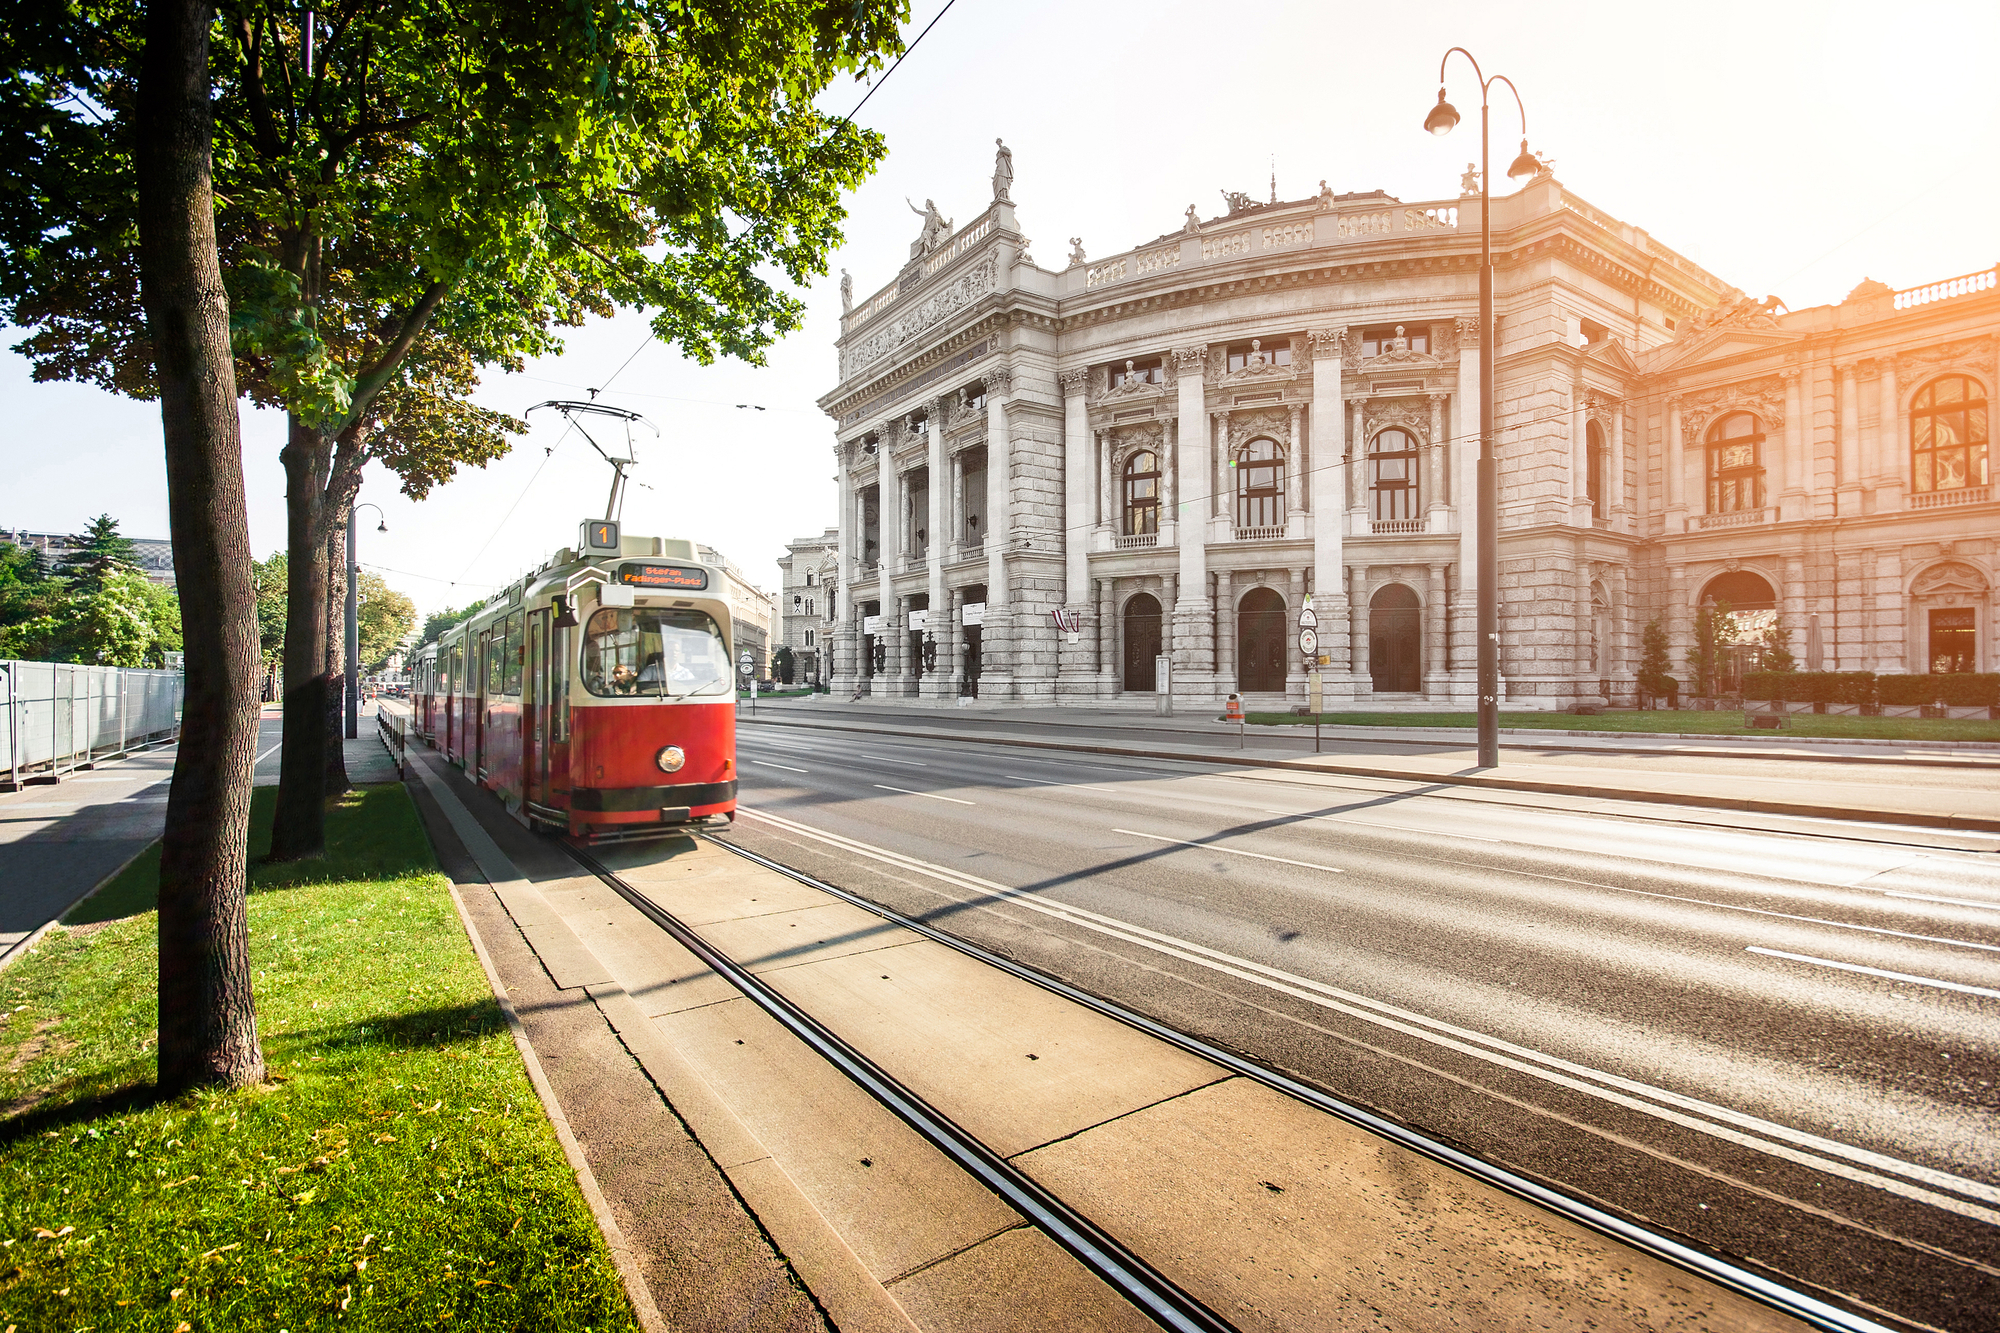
58	717
394	730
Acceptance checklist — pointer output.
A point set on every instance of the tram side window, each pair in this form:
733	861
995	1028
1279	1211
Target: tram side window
517	647
494	644
559	681
673	654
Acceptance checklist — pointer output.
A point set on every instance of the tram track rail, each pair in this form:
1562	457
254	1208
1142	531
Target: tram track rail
1151	1291
1096	1249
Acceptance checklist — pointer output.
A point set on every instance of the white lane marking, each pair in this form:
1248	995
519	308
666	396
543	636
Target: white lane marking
765	763
884	759
1050	782
1877	972
267	754
1398	828
1954	902
1387	1016
1698	902
932	795
1233	851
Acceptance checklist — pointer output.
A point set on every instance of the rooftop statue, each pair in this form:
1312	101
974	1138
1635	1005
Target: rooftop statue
846	292
1193	227
1469	182
1075	251
1003	172
1237	201
936	227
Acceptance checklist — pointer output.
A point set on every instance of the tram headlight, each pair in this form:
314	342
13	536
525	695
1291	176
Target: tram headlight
670	759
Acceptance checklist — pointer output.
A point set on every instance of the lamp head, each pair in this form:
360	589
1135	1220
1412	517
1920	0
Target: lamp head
383	526
1443	116
1525	167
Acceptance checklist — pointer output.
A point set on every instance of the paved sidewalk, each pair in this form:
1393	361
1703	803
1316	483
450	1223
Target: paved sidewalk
1957	797
1268	1210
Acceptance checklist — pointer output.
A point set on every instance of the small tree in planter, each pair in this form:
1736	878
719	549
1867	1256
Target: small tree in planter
1654	682
781	665
1712	628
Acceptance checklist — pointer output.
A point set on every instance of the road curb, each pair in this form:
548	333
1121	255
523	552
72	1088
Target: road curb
1748	805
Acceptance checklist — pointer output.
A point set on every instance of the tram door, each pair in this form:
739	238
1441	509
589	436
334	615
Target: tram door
484	662
535	763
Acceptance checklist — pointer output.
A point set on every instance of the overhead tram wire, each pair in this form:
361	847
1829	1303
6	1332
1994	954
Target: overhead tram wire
547	454
845	121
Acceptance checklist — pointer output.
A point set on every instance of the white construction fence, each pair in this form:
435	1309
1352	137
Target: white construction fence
56	718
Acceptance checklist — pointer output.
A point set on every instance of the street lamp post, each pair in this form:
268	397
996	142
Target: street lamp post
354	616
1487	540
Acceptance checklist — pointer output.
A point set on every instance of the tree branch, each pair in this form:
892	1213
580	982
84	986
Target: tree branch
374	376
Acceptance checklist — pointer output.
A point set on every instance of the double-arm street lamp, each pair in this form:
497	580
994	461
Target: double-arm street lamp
354	616
1486	589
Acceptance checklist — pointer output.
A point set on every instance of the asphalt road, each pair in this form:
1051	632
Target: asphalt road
1781	1046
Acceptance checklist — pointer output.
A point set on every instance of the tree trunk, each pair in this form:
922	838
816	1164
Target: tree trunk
299	829
336	652
207	1015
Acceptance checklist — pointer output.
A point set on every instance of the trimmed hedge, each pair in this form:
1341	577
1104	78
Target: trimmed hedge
1965	689
1812	687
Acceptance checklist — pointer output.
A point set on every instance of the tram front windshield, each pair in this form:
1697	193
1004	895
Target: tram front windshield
667	654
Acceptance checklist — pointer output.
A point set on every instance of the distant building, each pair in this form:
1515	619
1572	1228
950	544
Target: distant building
154	554
810	572
750	607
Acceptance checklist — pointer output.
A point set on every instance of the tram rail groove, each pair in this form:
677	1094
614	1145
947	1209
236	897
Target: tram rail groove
1807	1309
1131	1276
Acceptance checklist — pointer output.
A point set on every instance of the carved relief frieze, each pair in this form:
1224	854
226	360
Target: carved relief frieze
1764	398
1408	413
1258	422
1444	341
1128	440
1973	356
961	292
1259	368
1953	576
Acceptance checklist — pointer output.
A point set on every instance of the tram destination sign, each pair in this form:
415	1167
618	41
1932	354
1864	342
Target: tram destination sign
674	578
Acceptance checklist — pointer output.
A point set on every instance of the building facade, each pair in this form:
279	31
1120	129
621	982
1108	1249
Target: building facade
1124	477
750	609
808	575
155	555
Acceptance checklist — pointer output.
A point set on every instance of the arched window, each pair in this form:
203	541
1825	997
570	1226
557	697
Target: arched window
1948	439
1142	493
1735	464
1594	478
1260	485
1392	476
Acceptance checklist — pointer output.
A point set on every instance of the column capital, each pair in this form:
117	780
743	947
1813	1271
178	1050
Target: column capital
1327	343
1074	382
1190	360
1467	328
1000	379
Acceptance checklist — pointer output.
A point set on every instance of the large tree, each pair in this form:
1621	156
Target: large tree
207	1018
435	189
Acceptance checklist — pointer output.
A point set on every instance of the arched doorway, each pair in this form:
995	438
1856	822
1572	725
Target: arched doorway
1260	642
1753	613
1395	640
1142	641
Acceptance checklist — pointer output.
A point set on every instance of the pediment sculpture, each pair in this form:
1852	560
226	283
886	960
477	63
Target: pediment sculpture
1396	351
1953	576
1134	385
1258	365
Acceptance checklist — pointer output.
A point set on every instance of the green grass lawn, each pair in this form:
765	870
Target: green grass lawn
397	1172
1673	723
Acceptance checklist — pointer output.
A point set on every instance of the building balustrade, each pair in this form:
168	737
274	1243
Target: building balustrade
1964	285
1138	541
1260	534
1396	525
1960	495
1740	518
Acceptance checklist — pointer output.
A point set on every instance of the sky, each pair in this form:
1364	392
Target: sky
1790	148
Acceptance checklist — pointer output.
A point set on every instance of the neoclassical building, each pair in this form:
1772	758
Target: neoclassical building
809	571
1057	483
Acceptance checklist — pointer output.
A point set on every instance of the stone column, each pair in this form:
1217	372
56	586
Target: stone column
1848	489
1220	501
1792	605
1225	633
1329	506
1170	491
1170	597
1357	628
1193	632
1107	639
1107	504
1680	628
1793	481
1586	624
1614	472
1357	470
1676	478
937	684
1434	483
1076	662
1618	657
1436	682
897	667
1891	442
1579	458
996	636
1465	596
1295	669
1891	612
1295	474
957	501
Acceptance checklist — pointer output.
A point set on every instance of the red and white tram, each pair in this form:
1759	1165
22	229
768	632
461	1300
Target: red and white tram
596	695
